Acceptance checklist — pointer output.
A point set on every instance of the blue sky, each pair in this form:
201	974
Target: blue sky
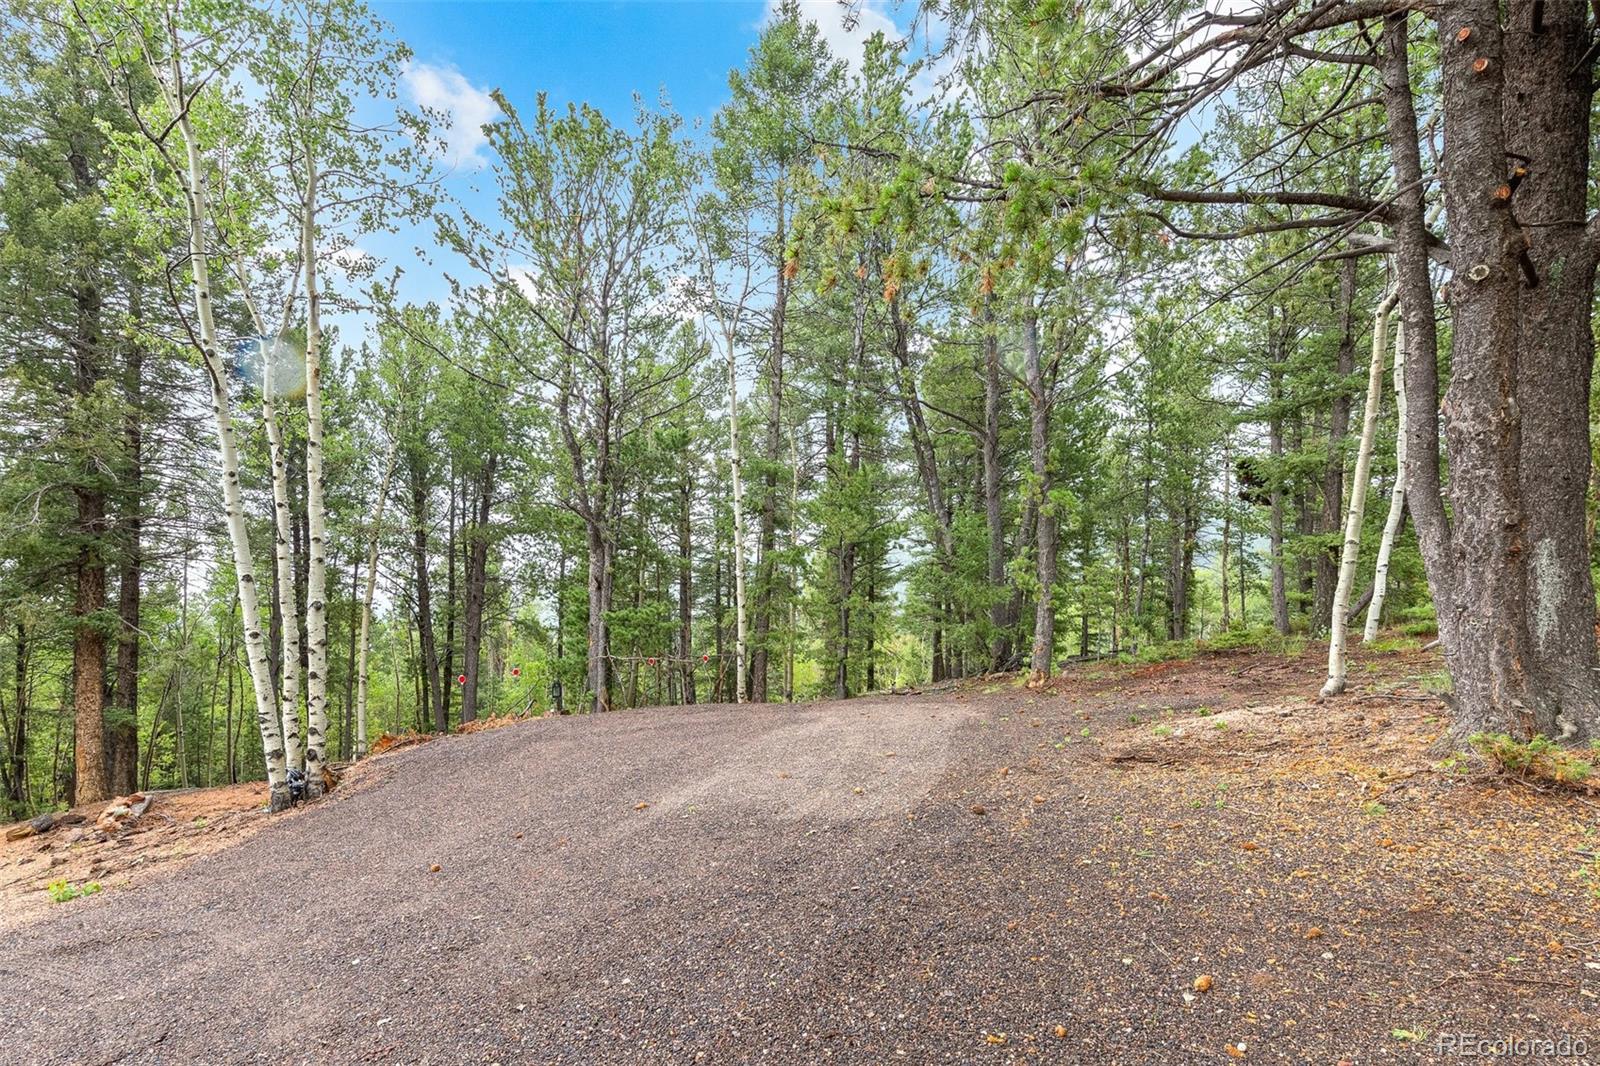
601	52
597	52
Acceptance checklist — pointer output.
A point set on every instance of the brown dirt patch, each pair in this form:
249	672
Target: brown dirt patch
179	826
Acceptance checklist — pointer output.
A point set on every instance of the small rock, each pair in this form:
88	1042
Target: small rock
1060	1031
1203	983
435	868
979	809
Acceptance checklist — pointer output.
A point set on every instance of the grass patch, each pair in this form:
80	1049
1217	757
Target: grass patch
63	891
1438	684
1393	643
1540	758
1166	651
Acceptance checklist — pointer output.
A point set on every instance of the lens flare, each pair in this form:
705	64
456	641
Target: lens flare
276	366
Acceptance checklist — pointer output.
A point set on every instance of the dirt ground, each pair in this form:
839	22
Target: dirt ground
1188	862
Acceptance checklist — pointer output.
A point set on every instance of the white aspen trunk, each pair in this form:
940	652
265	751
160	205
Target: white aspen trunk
1397	497
316	518
1358	498
738	525
288	602
198	212
366	601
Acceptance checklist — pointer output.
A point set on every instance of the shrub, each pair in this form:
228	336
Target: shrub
1539	757
61	891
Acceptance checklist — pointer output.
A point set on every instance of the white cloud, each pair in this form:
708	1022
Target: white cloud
845	27
526	282
353	260
467	109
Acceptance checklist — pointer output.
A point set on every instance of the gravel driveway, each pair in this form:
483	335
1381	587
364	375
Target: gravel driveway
977	876
567	922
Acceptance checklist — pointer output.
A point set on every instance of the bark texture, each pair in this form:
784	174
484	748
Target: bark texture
1508	562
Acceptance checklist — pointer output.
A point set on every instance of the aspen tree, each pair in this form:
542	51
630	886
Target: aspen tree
1397	496
127	36
1351	551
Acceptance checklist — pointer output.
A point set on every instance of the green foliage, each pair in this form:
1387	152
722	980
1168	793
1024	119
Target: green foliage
1539	757
62	891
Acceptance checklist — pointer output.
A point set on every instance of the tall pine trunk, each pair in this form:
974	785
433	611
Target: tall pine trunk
477	579
1508	561
766	565
686	580
1040	663
599	605
365	644
122	731
1000	618
432	694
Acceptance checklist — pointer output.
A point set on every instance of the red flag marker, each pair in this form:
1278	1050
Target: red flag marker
651	660
462	680
516	671
705	658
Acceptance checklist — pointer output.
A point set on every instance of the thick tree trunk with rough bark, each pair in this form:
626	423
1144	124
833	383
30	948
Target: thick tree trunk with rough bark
1508	561
90	781
90	784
